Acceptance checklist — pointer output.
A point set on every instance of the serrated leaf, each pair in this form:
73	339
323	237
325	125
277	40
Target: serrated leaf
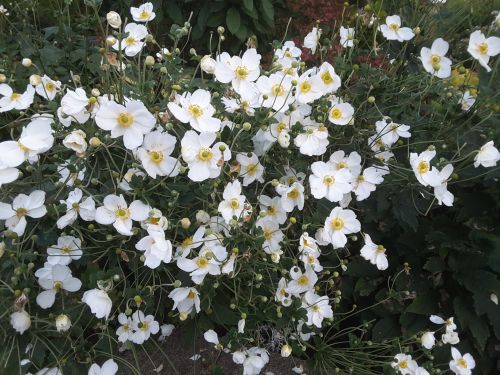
233	20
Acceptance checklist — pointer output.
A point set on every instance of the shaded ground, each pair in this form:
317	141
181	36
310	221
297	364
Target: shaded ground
156	362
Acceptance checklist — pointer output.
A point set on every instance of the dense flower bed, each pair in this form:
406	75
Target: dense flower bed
228	196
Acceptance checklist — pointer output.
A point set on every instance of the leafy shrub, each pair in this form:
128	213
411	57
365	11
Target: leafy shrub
326	209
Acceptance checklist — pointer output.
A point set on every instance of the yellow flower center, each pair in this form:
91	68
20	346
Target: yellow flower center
294	194
271	211
268	235
281	126
305	87
435	59
241	72
58	285
234	204
205	154
143	326
130	41
288	53
144	15
156	156
380	249
315	308
191	295
462	363
251	169
336	113
337	224
202	262
15	96
195	110
403	364
483	48
394	26
20	212
65	249
125	120
361	178
311	259
326	77
341	165
423	167
328	180
303	280
283	292
122	213
278	90
50	86
187	241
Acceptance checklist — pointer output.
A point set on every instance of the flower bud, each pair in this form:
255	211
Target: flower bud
2	249
207	64
149	61
202	217
114	20
3	78
95	142
183	315
417	30
35	80
221	30
185	223
63	323
286	350
26	62
371	99
110	41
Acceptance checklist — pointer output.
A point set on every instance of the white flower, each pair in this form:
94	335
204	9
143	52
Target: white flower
392	29
185	299
308	88
23	205
8	174
13	100
301	282
450	324
20	321
240	71
114	20
156	220
203	161
108	368
166	330
317	308
347	36
375	254
127	178
312	39
76	141
48	88
143	13
273	208
390	132
131	121
282	295
434	59
327	78
314	141
276	91
450	337
99	302
352	162
329	182
461	365
250	168
156	248
233	203
428	340
143	327
340	113
421	371
291	196
35	139
207	262
287	54
253	360
191	242
196	110
425	173
74	107
405	364
133	43
115	211
155	152
58	279
124	332
467	101
441	192
487	156
482	48
272	234
211	337
63	323
339	223
366	183
85	209
68	248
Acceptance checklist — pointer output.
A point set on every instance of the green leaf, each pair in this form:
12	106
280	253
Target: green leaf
469	319
268	9
248	4
242	32
233	20
424	304
385	328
